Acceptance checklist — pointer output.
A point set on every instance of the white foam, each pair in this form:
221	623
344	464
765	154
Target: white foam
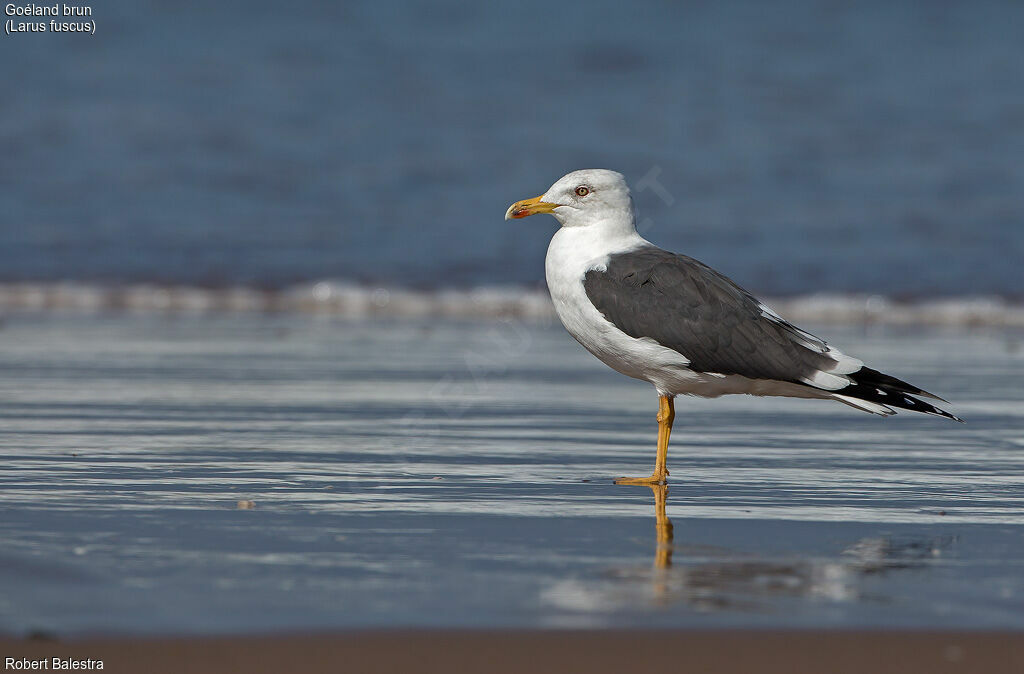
339	298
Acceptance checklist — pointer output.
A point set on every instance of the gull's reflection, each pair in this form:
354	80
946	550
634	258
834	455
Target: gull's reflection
712	578
663	527
663	545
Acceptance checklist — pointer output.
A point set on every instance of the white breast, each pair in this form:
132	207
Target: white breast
572	253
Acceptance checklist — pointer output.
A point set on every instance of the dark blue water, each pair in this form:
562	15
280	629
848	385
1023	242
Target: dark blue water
870	146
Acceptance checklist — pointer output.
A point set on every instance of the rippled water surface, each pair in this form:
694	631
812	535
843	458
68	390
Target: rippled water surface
459	474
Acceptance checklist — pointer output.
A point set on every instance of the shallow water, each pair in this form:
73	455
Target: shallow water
459	474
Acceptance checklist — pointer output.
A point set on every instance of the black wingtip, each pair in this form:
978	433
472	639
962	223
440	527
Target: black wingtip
878	387
882	393
928	408
933	410
871	377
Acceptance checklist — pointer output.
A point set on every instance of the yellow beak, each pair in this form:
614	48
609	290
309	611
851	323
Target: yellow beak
521	209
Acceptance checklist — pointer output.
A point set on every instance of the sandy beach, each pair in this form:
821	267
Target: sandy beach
727	652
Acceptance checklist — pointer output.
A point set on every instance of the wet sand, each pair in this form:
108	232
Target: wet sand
594	652
447	475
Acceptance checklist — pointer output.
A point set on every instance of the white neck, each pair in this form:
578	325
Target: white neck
575	250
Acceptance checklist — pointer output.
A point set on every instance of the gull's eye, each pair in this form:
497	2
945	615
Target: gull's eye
582	191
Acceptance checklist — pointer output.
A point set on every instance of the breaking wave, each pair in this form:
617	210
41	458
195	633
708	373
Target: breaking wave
342	299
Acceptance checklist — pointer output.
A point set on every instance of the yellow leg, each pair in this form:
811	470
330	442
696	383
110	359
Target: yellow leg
666	415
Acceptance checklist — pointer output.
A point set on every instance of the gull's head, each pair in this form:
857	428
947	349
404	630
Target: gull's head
580	198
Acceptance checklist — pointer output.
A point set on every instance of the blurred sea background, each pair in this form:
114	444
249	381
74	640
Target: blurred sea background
846	148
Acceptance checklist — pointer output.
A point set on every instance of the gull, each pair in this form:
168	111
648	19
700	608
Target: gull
677	323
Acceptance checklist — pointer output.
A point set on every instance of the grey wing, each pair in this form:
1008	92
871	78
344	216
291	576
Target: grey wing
686	306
